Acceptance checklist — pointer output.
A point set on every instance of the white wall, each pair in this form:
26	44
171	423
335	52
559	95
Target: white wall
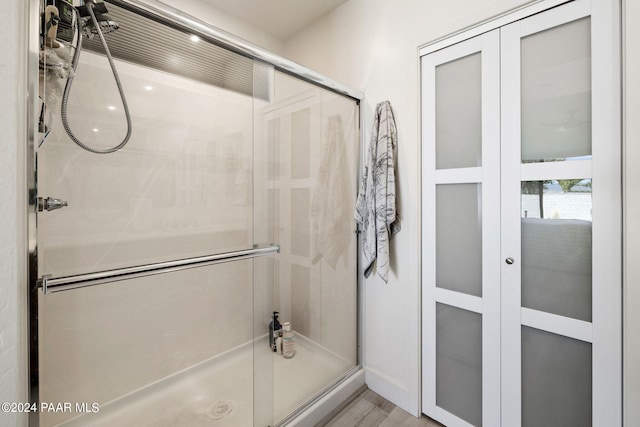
13	363
372	45
631	135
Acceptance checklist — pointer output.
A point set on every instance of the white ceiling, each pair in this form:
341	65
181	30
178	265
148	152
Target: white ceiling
279	18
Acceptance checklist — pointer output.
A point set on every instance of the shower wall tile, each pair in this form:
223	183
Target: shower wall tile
273	132
277	283
300	136
277	216
300	226
300	300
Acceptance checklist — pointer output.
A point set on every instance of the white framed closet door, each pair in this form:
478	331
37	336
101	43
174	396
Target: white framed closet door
461	270
561	209
521	214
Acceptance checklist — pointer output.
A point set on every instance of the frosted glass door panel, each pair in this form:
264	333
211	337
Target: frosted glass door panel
557	249
459	238
458	113
556	380
556	93
459	362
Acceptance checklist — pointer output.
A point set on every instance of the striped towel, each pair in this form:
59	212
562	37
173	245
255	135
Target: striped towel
376	212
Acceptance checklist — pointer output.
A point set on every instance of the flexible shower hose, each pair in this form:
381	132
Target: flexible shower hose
67	88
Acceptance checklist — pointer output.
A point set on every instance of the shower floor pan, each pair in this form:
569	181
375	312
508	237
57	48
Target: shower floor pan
219	392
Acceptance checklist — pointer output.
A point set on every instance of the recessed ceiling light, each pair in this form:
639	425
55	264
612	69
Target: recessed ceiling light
95	129
195	38
148	88
111	107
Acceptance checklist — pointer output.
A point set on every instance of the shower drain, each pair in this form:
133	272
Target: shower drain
220	409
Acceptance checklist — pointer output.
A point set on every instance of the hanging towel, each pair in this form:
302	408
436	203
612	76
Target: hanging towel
376	205
332	199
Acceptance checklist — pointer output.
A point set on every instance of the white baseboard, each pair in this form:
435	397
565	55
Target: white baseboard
389	388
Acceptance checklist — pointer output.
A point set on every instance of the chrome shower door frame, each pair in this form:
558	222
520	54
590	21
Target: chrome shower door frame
235	44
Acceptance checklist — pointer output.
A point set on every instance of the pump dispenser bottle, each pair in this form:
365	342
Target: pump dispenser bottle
275	331
288	345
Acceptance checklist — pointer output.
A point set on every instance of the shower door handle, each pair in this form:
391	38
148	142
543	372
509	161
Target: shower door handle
50	204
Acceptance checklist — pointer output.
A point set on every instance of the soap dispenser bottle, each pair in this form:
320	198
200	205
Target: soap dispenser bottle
288	345
275	330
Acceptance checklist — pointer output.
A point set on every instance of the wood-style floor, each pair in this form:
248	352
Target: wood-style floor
368	409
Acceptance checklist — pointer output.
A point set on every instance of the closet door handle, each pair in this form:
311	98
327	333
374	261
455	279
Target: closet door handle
509	260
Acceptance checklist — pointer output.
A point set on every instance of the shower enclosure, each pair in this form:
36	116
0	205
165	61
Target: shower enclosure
154	280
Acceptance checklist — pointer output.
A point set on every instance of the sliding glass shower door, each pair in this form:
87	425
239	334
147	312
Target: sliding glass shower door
313	135
159	265
155	274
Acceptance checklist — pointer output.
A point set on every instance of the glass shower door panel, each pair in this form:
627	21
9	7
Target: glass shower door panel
313	135
181	187
170	349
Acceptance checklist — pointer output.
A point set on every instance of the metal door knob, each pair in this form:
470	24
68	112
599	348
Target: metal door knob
509	261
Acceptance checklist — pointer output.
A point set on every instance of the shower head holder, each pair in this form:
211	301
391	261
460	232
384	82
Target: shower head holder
98	8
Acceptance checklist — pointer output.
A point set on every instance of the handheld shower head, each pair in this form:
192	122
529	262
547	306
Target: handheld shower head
107	26
98	24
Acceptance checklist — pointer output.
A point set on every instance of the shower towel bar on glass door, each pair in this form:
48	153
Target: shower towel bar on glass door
51	284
